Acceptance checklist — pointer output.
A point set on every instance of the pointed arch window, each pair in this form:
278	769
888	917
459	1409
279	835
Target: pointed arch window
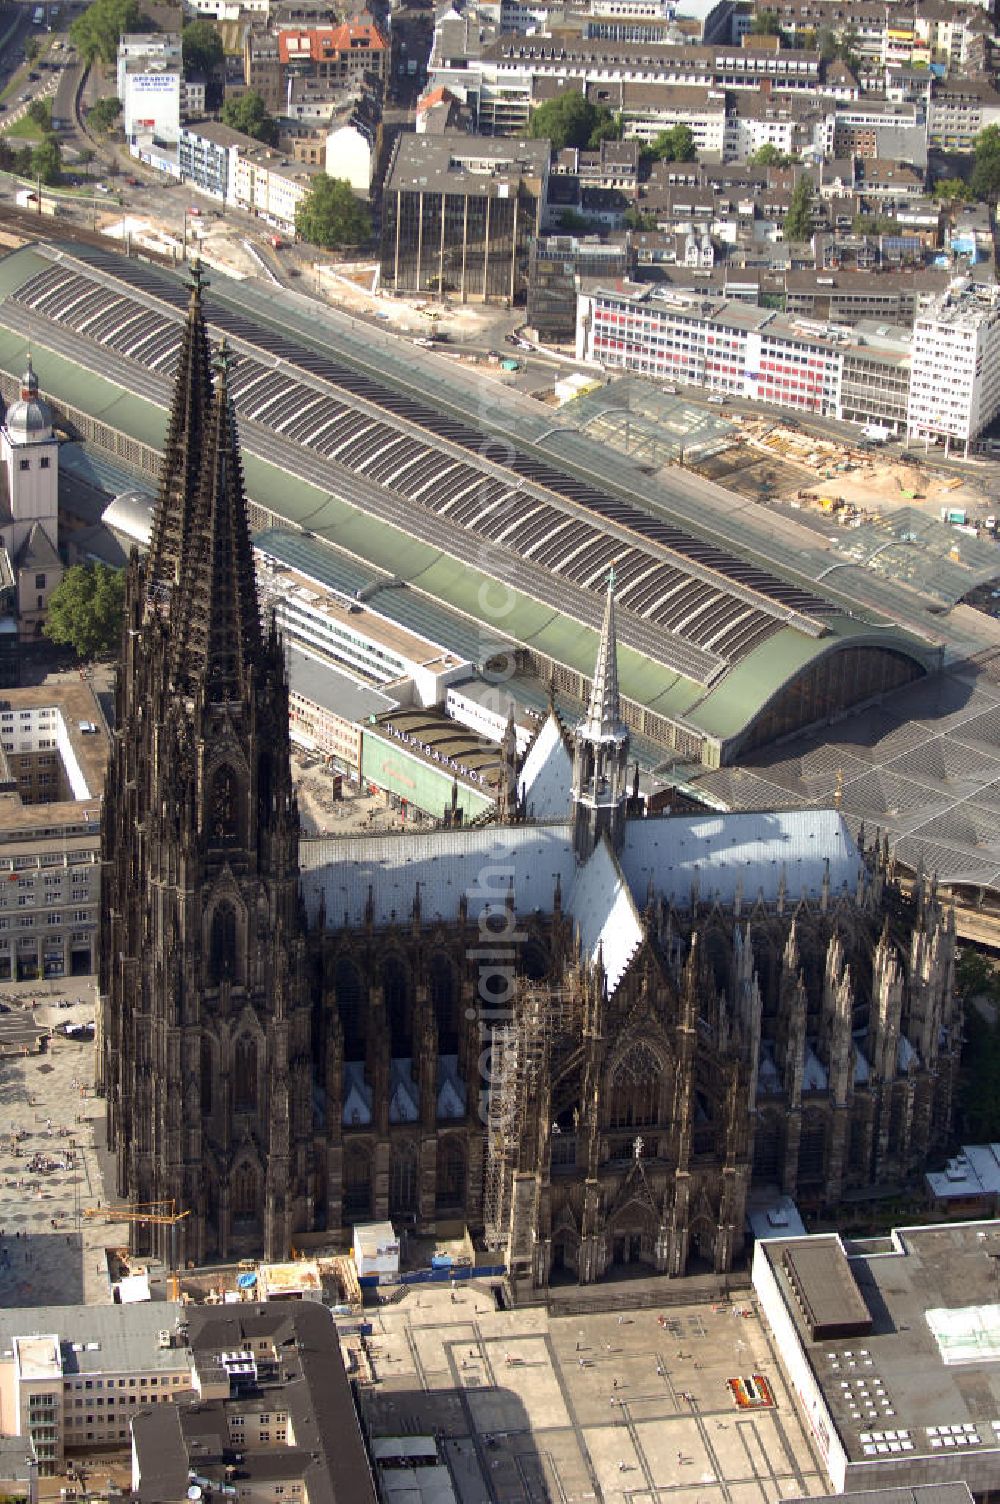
245	1074
444	999
245	1193
222	946
224	807
357	1182
351	1006
403	1198
398	1012
450	1175
635	1089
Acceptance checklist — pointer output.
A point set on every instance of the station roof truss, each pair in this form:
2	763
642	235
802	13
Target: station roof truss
688	604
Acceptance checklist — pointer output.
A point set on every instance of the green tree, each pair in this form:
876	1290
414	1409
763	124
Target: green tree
637	219
949	190
975	975
201	49
102	116
847	49
32	48
330	215
608	127
568	120
769	155
40	111
979	1086
46	161
765	24
844	46
249	114
985	179
674	145
799	219
85	609
95	33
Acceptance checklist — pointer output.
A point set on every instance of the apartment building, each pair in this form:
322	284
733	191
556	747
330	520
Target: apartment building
862	127
207	155
729	348
959	109
846	296
649	108
339	55
271	185
53	753
504	77
890	35
275	1419
72	1378
263	71
955	378
788	123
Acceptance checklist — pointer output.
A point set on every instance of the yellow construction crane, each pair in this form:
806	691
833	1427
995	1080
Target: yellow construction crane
146	1214
150	1213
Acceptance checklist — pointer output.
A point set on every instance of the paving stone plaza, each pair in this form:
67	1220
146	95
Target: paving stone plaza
628	1407
49	1169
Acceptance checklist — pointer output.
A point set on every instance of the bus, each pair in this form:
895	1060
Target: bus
38	19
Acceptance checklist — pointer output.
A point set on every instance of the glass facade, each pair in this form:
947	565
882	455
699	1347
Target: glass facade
473	246
556	263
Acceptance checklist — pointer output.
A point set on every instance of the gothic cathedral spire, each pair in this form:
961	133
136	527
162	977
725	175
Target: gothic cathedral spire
182	453
600	762
205	1005
215	618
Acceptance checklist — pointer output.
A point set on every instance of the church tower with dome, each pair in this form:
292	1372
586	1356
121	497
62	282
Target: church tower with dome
29	509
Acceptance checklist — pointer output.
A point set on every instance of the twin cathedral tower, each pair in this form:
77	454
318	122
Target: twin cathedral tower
292	1033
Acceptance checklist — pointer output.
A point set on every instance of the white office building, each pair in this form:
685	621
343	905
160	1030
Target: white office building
151	85
955	366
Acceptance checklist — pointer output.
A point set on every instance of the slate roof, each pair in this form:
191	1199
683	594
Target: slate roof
677	856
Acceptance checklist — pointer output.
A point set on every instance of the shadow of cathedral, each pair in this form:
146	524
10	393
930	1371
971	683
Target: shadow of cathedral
582	1033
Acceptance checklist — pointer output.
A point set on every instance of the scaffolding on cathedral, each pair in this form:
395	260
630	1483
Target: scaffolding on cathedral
519	1059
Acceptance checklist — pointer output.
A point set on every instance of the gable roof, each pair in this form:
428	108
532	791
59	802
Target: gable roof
675	856
547	772
37	551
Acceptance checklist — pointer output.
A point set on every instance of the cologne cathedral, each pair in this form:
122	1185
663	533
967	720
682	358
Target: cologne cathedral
586	1035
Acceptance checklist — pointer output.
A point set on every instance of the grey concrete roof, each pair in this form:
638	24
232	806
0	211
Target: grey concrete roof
918	1396
101	1339
334	691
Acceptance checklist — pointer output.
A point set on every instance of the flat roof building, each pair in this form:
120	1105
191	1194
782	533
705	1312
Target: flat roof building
53	753
891	1346
460	215
72	1377
955	380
